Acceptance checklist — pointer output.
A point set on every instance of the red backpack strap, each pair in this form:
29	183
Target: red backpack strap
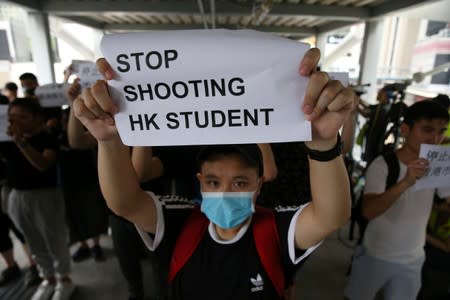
188	240
267	242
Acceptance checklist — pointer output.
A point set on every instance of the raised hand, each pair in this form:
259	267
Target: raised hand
74	90
95	110
416	169
327	102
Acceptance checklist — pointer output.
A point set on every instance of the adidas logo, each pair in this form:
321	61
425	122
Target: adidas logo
258	283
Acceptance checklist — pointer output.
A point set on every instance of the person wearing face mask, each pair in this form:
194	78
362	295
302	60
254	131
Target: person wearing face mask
225	263
29	83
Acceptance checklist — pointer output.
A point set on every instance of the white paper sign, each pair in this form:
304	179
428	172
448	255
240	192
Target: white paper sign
206	87
53	94
4	123
438	173
87	72
341	76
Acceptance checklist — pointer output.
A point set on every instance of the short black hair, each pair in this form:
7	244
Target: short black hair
249	153
443	100
11	86
29	104
425	110
28	76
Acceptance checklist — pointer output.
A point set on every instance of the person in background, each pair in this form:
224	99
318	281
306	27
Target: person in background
35	203
392	253
10	91
29	83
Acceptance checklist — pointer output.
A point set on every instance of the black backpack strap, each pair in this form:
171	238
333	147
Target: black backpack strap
393	168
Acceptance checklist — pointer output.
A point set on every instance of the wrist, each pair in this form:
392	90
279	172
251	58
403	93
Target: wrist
321	145
324	150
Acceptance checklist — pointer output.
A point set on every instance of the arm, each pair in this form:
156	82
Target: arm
269	164
118	180
41	161
146	165
327	104
375	204
78	137
444	246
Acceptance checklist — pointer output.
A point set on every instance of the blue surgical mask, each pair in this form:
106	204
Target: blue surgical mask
227	209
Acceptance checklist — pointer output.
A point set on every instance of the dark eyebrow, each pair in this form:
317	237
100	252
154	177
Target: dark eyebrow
241	178
210	176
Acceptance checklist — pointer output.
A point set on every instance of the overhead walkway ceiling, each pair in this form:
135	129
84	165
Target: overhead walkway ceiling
293	18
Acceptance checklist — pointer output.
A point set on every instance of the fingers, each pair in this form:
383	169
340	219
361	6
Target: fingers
104	68
92	104
74	90
315	86
81	111
309	62
418	167
345	99
100	92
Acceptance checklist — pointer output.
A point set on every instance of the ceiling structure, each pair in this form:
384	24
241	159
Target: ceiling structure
292	18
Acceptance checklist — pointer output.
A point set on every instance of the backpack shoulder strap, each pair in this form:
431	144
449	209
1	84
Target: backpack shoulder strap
188	240
393	168
267	242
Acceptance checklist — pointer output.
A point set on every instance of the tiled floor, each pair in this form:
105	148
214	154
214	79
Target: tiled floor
321	278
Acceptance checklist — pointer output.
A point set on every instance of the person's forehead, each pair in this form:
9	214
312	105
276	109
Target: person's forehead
17	110
220	163
435	123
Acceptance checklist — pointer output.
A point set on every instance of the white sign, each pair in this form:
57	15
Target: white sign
4	123
206	87
438	172
53	94
87	72
341	76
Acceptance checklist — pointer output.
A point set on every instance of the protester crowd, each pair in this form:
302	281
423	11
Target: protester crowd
66	178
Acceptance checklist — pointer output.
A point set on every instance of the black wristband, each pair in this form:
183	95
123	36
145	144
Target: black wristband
325	155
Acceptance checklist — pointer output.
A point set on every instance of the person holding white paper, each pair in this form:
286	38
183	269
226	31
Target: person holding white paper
392	253
327	104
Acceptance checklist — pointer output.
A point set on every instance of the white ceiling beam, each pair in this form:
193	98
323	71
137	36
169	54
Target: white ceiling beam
222	7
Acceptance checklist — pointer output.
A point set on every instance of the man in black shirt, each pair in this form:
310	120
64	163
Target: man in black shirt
35	203
226	263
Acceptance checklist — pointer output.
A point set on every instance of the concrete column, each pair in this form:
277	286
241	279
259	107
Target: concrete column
41	50
370	54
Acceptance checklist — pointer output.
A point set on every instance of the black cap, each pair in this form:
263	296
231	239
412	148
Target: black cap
249	152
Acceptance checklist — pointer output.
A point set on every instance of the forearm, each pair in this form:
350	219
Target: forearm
34	157
269	164
330	192
142	160
77	136
438	243
376	204
118	180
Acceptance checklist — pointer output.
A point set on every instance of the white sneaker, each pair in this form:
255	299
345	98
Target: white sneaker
44	291
63	290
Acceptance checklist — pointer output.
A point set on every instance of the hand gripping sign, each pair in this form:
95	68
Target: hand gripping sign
206	87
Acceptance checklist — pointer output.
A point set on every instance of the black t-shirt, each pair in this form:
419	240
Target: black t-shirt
21	174
217	270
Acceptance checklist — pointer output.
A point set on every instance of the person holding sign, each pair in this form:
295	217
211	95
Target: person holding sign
392	254
226	263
